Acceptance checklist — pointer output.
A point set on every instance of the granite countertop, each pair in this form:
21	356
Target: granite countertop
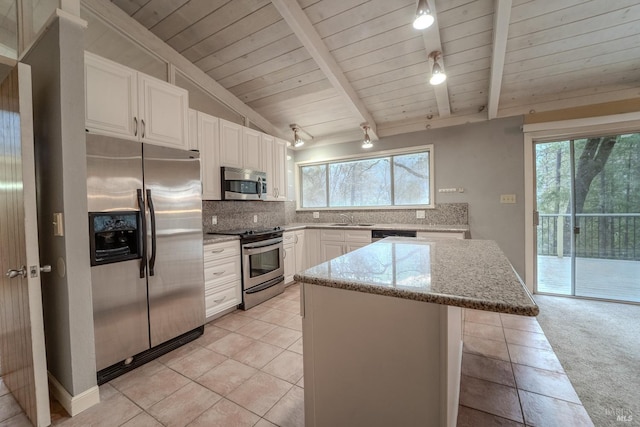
218	238
464	273
417	227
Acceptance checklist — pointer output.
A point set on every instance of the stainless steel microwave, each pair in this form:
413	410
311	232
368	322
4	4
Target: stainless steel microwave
243	184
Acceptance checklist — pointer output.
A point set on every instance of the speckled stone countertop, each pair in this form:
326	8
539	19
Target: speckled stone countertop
463	273
218	238
417	227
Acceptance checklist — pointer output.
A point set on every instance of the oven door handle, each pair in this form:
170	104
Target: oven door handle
247	248
265	285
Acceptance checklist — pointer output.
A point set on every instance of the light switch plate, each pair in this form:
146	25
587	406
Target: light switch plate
255	218
214	220
58	229
420	214
316	215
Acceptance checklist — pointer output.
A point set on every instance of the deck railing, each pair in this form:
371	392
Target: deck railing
608	236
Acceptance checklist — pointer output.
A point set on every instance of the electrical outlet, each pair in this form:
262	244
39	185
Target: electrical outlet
316	215
214	220
420	214
507	198
447	190
255	218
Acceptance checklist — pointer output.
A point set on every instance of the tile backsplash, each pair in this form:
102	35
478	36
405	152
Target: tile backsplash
232	215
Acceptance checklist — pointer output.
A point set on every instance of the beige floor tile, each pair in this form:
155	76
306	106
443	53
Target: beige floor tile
256	329
545	382
212	333
526	338
257	354
9	407
300	383
260	392
230	344
3	388
486	396
481	330
277	317
524	323
264	423
485	347
290	306
178	353
485	317
294	323
197	363
469	417
232	321
19	420
497	371
546	411
289	411
535	357
282	337
296	346
255	312
271	303
142	420
225	414
287	366
113	410
227	376
184	406
149	384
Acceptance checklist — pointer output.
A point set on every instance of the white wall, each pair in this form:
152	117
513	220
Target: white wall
486	159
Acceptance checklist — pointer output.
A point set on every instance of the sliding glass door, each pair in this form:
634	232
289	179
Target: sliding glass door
588	203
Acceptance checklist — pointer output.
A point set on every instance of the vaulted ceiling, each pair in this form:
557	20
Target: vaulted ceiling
330	65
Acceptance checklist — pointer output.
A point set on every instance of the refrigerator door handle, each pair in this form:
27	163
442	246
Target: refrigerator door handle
152	212
143	234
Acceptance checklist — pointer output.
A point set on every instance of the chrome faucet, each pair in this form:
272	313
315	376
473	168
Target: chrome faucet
349	217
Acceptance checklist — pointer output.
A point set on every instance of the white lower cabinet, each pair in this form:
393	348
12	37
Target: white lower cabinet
222	277
334	243
294	253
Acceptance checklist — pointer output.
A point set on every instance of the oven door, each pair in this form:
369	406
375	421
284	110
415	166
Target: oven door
262	261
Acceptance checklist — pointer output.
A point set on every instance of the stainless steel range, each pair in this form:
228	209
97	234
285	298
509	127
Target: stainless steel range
262	264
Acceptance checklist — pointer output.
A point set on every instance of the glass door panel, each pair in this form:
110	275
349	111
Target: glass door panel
588	199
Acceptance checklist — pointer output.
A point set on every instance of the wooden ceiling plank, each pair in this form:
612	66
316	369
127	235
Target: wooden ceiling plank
464	13
387	66
392	52
130	7
322	10
278	63
389	86
453	47
184	17
373	43
401	73
467	29
284	85
274	77
299	23
254	30
306	102
155	11
418	124
421	88
291	95
501	20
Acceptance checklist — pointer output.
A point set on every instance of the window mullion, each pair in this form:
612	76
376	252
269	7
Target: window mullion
393	181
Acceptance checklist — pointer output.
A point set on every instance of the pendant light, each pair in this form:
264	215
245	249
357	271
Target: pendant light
366	141
437	73
297	141
424	18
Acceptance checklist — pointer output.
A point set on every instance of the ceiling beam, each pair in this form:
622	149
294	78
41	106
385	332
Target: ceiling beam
310	39
432	43
501	18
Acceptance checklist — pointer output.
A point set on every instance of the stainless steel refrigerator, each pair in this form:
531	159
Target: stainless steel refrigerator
145	228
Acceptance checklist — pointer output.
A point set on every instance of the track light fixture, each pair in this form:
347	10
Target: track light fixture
424	18
366	141
297	141
437	73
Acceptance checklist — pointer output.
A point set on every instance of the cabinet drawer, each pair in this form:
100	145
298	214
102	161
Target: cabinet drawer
334	235
221	250
363	236
222	272
288	237
221	298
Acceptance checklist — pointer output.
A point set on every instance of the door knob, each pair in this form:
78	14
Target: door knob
11	273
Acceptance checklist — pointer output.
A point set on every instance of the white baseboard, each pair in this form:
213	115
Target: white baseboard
73	404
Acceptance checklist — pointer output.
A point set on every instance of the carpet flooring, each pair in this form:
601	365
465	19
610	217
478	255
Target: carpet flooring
598	344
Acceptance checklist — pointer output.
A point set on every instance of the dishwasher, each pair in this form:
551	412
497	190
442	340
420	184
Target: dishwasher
381	234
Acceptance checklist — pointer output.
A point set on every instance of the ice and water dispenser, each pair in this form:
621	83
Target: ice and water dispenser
115	237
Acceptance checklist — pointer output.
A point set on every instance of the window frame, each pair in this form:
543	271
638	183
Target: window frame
377	154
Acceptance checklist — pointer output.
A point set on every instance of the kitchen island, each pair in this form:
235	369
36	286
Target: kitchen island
382	328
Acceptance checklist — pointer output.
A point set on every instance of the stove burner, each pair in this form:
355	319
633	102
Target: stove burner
261	230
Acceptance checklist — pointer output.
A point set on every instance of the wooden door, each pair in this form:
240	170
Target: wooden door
22	351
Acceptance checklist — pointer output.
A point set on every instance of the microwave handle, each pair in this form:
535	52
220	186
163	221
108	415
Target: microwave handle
259	188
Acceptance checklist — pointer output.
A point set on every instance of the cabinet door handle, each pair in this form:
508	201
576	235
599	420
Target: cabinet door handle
218	273
284	254
217	251
296	241
144	127
135	128
220	300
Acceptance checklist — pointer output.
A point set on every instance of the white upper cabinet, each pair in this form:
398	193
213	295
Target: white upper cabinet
251	148
280	169
231	144
209	142
267	164
121	102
